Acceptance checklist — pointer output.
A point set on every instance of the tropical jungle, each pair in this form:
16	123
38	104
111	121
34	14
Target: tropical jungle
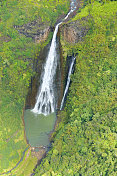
84	139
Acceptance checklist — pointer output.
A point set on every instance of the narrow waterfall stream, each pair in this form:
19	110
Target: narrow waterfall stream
40	121
68	82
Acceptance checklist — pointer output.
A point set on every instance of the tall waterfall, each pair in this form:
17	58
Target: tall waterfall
45	103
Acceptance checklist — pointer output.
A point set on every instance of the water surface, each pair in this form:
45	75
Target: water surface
38	127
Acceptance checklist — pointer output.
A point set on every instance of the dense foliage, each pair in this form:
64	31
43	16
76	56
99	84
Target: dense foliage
17	53
86	140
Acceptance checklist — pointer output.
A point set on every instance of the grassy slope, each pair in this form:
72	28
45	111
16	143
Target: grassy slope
16	70
85	143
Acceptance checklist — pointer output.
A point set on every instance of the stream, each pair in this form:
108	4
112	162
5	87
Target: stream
40	120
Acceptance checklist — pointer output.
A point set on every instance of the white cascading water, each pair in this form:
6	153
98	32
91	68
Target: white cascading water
45	103
68	82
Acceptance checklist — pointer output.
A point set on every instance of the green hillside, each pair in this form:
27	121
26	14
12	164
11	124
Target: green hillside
17	53
85	143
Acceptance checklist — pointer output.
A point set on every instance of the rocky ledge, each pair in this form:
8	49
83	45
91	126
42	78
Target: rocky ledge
37	30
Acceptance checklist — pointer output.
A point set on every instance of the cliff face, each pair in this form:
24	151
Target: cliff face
73	32
37	30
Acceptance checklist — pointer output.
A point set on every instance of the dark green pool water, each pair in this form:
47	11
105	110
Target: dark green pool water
38	128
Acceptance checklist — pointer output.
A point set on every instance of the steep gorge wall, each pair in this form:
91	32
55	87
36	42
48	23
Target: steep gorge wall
71	32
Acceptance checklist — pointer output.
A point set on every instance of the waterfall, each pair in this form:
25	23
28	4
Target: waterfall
68	82
45	103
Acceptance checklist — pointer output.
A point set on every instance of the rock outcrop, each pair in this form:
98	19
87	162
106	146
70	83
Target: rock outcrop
74	31
37	30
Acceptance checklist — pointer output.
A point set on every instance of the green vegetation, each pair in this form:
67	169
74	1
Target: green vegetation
86	140
26	166
17	53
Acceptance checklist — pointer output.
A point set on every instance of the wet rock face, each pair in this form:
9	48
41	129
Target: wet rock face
74	31
43	35
37	30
